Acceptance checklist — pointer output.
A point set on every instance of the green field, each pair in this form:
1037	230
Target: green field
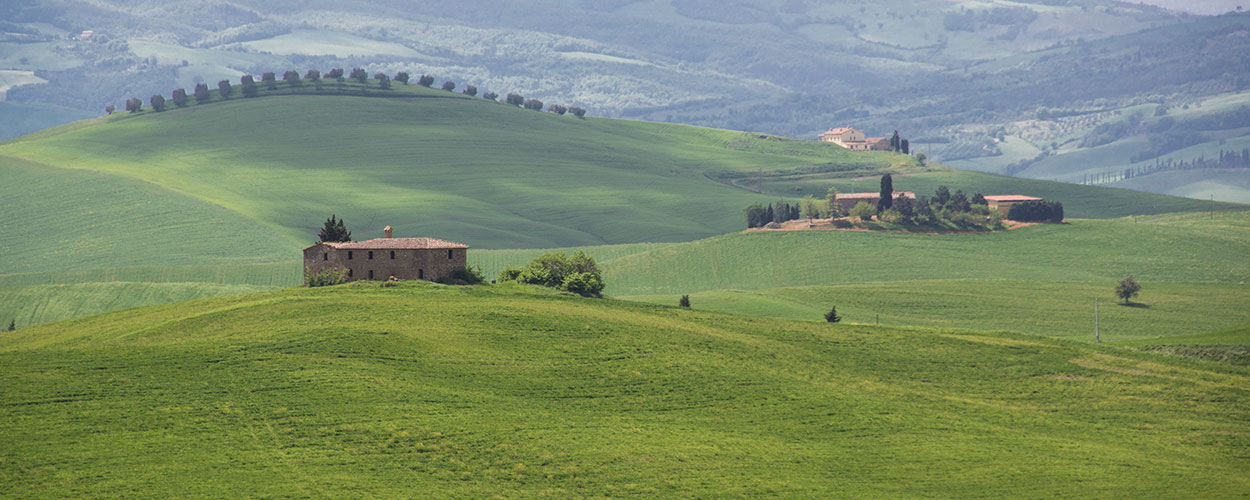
368	391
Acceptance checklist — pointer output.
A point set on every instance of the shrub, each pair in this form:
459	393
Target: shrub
841	223
891	215
684	302
576	273
335	73
180	97
326	277
490	95
158	102
291	77
578	112
863	210
965	219
464	276
134	105
515	99
402	77
509	273
470	90
425	81
224	88
756	215
359	74
249	88
558	109
110	109
449	86
383	80
584	284
533	104
12	325
313	75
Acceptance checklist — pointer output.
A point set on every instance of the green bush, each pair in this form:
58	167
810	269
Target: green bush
863	210
584	284
464	276
509	273
327	277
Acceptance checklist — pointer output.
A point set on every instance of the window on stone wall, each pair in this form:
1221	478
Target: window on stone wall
449	253
370	274
371	255
349	255
325	256
420	274
392	255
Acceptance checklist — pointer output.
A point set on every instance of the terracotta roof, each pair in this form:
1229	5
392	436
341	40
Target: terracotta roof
1011	197
874	140
394	244
837	131
859	196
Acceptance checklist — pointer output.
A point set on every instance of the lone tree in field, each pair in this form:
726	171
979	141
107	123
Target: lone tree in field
1127	288
470	90
449	85
158	102
180	97
402	77
134	104
832	315
224	88
425	81
334	230
684	302
515	99
887	193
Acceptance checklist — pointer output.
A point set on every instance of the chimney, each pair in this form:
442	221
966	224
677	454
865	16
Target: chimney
387	230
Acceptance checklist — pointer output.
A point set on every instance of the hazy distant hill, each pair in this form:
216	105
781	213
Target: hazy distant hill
963	76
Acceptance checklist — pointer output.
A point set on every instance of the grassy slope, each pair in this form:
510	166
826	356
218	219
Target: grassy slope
233	190
458	393
1039	279
36	304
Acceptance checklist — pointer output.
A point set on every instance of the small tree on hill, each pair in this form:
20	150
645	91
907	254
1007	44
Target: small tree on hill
334	230
756	215
180	97
12	325
134	105
201	93
269	79
1127	289
533	104
449	85
577	111
248	88
383	80
683	302
335	73
831	203
109	109
832	315
887	193
515	99
470	90
359	74
942	196
905	206
224	88
906	146
978	199
425	81
158	102
312	75
490	95
558	109
402	77
291	77
810	208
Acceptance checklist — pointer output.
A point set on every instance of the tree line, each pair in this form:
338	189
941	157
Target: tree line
1227	159
248	88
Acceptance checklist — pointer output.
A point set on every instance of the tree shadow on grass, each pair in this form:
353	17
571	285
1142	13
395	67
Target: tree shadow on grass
1138	305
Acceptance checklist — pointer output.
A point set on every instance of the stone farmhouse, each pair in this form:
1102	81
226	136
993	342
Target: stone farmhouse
1003	202
847	201
854	140
381	258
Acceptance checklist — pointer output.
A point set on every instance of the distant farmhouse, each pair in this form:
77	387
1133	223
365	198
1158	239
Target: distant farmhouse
854	140
847	201
1003	202
381	258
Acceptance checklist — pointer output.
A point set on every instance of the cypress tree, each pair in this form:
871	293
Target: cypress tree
771	215
887	193
13	324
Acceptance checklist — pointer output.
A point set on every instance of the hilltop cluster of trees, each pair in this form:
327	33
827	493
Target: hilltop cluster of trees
575	273
1036	211
248	88
956	208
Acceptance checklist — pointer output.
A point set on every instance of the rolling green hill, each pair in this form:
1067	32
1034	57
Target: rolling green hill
226	193
370	391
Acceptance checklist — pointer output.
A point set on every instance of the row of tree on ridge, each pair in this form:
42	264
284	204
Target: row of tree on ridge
248	87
